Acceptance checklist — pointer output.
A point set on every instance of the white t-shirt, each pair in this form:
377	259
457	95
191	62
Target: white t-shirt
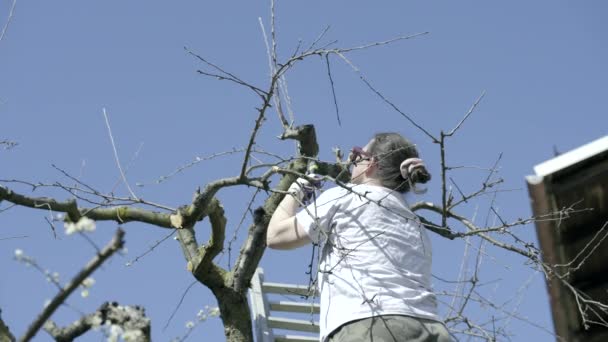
375	259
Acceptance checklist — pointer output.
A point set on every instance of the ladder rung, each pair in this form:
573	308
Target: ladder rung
295	307
289	289
294	338
293	324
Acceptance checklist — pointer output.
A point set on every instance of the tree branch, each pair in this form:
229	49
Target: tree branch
203	261
218	232
474	230
256	128
446	232
120	214
255	245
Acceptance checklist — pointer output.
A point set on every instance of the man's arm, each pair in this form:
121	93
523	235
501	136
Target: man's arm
284	231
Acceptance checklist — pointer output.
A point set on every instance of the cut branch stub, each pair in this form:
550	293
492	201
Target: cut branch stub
306	137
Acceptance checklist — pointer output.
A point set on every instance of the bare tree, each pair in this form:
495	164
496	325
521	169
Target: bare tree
272	180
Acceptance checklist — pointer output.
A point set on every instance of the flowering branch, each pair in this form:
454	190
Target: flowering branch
128	321
112	247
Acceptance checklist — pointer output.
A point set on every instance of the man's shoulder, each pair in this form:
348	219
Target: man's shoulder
334	194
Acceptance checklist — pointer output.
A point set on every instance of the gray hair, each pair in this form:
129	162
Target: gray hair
389	151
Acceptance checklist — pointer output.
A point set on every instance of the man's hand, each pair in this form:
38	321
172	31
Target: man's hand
303	189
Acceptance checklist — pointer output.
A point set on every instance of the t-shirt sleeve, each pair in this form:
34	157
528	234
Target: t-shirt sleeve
316	218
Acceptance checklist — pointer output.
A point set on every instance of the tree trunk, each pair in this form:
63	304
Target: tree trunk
235	313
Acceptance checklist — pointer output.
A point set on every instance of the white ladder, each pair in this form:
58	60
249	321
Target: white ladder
264	319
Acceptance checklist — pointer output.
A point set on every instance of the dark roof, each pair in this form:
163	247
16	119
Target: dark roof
575	185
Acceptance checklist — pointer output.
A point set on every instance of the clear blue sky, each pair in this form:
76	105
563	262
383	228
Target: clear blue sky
542	64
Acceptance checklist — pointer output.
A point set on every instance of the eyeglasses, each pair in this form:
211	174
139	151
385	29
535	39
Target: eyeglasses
357	154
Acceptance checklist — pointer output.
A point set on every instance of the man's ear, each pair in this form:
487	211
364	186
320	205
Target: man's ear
372	167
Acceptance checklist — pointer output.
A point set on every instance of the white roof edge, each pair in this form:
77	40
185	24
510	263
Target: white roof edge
572	157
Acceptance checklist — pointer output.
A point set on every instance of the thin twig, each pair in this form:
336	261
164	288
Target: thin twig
8	20
383	98
282	82
135	155
224	75
7	208
122	174
90	241
181	300
239	225
333	89
14	237
385	42
319	37
256	128
151	248
467	114
272	66
273	32
196	161
52	227
444	203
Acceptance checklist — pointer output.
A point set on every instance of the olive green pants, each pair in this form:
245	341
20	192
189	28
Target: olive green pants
391	328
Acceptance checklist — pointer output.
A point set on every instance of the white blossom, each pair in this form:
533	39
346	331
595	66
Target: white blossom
189	325
114	332
52	277
132	335
88	282
96	321
19	254
214	312
85	224
70	228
